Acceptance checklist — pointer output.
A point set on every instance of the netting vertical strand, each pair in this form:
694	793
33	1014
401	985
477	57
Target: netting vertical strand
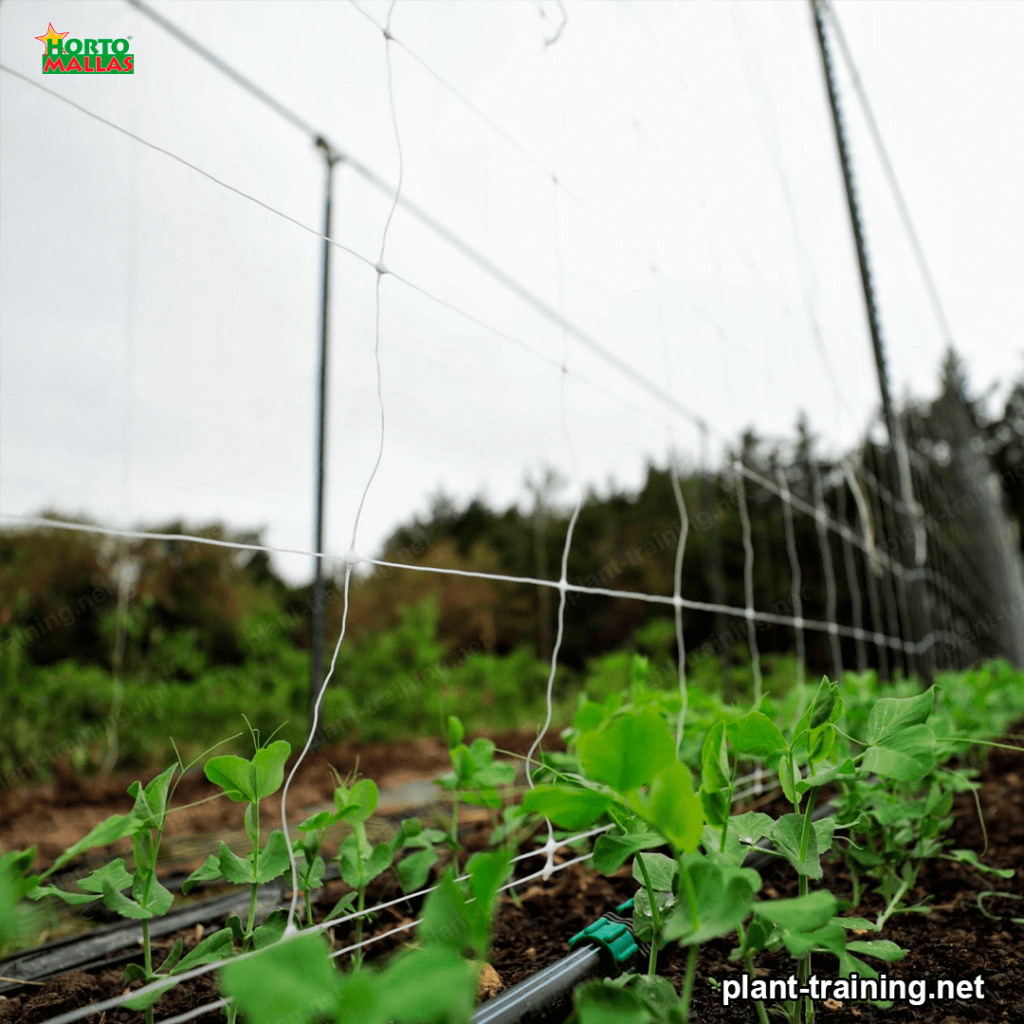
748	579
796	580
820	523
852	581
889	583
872	568
550	847
351	557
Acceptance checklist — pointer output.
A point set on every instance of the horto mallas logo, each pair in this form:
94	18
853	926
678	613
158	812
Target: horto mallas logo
85	56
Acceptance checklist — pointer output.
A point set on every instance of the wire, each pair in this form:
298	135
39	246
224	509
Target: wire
578	588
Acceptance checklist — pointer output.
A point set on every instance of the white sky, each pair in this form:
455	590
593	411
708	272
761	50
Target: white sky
159	334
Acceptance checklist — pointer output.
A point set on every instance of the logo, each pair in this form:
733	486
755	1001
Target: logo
85	56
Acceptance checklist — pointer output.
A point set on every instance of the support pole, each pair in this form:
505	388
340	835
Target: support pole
318	610
909	529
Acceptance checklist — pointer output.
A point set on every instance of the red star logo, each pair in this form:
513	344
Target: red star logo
52	36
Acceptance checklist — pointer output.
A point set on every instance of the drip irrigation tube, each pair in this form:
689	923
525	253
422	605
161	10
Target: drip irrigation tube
606	947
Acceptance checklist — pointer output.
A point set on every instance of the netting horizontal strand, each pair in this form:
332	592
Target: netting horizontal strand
578	588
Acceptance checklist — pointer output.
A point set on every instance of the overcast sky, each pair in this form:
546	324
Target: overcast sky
159	334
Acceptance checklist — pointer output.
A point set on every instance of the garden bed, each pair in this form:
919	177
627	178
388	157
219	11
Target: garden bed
956	940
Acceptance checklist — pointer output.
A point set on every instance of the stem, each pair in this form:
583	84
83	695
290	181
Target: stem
255	868
309	911
732	784
147	950
455	826
357	953
691	970
652	964
893	903
804	968
691	956
748	960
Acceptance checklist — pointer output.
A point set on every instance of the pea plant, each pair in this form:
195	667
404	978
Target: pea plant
148	898
475	777
360	861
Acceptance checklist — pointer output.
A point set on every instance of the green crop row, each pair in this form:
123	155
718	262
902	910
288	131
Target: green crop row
661	778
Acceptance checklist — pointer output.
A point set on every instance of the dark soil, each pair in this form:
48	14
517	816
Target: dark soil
955	940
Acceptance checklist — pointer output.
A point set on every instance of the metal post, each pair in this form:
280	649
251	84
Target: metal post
318	616
918	609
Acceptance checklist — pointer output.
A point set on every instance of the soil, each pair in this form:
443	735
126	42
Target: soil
955	940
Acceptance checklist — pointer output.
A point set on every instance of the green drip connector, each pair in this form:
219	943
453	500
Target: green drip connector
616	938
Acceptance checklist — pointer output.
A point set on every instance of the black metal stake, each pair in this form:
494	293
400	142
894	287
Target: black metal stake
915	603
318	616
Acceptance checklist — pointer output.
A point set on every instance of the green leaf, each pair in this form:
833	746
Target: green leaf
786	780
822	740
590	717
73	899
568	808
823	830
343	906
271	930
361	999
318	821
611	851
745	831
268	768
312	874
120	904
113	874
234	868
209	872
429	985
602	1002
643	919
629	752
716	806
378	861
217	946
145	1001
723	897
118	826
905	755
829	937
800	914
136	972
454	732
891	715
149	893
233	775
786	834
293	981
661	869
414	869
171	959
714	760
673	807
273	861
824	704
358	803
151	802
756	736
970	857
487	872
883	949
